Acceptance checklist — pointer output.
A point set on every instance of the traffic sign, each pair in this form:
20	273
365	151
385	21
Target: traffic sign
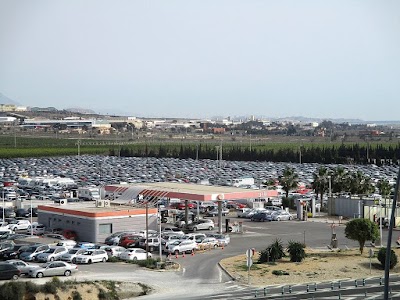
249	262
250	252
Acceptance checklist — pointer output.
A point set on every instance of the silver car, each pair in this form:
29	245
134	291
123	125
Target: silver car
71	255
51	254
55	268
21	265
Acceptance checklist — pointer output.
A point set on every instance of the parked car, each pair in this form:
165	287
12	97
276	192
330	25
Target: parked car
201	224
242	213
13	252
281	215
214	212
184	246
8	213
223	239
55	236
55	268
30	253
69	244
22	213
21	265
153	243
115	237
37	228
51	254
131	240
85	245
172	230
66	233
70	256
196	237
9	271
19	225
92	256
135	254
208	242
260	217
114	251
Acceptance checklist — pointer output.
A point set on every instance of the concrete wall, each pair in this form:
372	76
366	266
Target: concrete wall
88	229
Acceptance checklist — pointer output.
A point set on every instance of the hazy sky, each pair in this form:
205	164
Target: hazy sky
166	58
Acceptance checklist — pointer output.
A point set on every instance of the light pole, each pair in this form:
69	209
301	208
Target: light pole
31	218
3	206
380	219
159	234
330	186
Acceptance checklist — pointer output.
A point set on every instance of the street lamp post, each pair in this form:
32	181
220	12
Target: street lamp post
3	206
330	186
31	218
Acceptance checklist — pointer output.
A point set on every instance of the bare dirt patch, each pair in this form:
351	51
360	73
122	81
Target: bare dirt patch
318	266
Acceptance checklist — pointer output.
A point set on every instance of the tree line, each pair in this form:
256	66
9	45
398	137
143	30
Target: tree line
324	154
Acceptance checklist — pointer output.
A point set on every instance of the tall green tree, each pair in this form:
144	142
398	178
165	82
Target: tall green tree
321	181
339	180
359	184
361	230
384	188
289	180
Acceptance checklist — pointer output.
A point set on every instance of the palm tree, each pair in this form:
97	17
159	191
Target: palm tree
384	188
289	180
339	180
360	184
320	183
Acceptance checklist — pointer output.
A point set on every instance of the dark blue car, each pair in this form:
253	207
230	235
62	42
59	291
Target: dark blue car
261	217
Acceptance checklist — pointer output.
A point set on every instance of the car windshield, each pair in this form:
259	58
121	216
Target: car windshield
31	249
45	265
51	250
88	253
73	251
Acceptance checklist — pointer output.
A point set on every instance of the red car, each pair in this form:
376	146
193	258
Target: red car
129	241
190	205
67	233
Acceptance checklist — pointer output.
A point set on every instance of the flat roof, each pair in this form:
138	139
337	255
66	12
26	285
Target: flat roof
190	191
89	209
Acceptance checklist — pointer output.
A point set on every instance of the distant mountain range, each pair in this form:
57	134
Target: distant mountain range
6	100
80	110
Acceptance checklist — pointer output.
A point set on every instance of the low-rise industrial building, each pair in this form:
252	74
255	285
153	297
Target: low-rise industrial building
94	224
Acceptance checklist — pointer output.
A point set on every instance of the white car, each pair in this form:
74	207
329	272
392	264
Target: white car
71	255
36	228
184	246
51	254
114	251
134	254
92	256
19	225
69	244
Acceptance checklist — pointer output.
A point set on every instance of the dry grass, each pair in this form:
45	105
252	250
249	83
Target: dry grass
318	266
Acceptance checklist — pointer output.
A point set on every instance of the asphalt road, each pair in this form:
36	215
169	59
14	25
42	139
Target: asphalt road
200	276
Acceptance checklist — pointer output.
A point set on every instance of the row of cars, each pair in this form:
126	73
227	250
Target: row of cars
268	213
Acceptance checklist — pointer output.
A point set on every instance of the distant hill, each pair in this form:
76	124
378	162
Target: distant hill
6	100
80	110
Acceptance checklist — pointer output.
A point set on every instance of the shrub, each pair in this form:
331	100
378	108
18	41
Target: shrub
76	296
31	288
296	251
382	258
279	272
12	291
272	253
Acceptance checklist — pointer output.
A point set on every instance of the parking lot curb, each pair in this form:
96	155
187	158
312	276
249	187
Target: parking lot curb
226	272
